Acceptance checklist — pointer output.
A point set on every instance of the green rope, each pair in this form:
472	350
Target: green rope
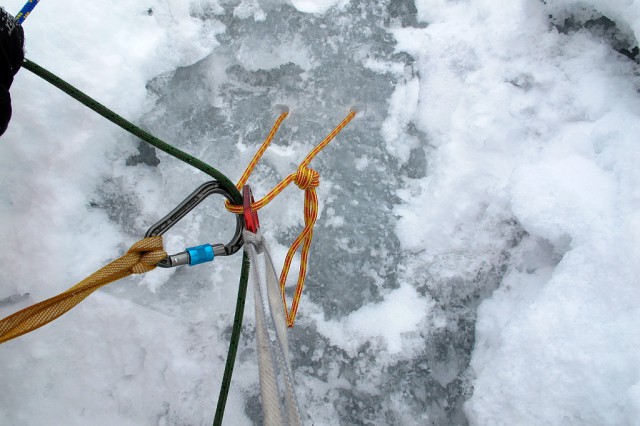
133	129
181	155
235	338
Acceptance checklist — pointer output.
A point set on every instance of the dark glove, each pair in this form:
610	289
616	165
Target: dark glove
11	57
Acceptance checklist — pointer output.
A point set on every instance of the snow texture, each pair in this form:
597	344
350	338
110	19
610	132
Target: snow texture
475	257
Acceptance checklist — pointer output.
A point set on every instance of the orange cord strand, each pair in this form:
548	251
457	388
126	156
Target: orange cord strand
306	179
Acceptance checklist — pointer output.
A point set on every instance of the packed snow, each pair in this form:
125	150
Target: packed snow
475	257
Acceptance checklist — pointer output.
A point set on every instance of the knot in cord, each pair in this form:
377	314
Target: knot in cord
149	252
141	257
306	178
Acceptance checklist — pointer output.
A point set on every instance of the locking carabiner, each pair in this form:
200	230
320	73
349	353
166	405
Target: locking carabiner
205	252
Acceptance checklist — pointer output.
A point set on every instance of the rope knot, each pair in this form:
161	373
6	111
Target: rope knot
306	178
150	252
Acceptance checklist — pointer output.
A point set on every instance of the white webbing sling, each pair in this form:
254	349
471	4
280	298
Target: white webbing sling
279	402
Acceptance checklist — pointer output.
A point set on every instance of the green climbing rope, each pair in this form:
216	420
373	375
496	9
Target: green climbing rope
200	165
235	337
132	128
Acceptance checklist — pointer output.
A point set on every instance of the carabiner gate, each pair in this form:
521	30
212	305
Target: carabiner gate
205	252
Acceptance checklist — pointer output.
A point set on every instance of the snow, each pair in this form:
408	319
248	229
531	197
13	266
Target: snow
315	6
553	343
475	258
360	326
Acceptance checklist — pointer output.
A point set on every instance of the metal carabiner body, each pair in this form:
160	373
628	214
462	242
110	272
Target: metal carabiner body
206	252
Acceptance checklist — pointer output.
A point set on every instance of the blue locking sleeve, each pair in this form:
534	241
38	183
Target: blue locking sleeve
200	254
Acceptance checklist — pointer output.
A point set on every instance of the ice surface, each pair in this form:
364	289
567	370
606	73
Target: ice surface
475	258
316	6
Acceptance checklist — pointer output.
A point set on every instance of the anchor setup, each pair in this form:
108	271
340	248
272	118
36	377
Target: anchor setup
148	253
